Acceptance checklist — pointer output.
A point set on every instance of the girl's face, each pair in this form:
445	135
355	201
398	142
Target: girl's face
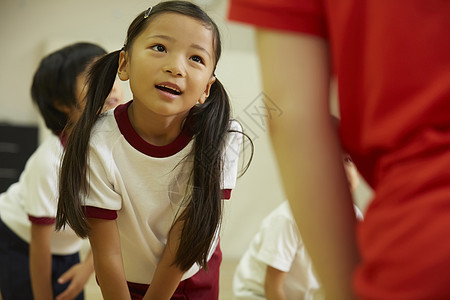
170	65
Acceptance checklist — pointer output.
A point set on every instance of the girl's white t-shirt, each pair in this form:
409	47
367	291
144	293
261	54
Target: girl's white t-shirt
142	186
277	244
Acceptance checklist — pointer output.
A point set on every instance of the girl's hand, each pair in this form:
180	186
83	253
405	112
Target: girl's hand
78	275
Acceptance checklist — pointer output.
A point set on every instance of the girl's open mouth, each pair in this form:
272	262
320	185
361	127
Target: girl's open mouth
168	89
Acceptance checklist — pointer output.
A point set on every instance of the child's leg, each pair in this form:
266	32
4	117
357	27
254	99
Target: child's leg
60	264
15	280
204	284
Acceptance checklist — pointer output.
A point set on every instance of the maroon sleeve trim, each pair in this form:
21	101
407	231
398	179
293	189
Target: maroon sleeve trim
41	220
100	213
226	194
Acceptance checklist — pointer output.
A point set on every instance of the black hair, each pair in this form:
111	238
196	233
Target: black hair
210	123
55	81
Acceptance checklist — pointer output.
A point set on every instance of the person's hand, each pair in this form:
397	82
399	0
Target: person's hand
78	275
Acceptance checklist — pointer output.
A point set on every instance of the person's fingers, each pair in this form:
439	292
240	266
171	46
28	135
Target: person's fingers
70	293
66	276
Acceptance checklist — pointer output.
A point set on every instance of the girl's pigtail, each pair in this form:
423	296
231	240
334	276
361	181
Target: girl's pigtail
73	184
210	123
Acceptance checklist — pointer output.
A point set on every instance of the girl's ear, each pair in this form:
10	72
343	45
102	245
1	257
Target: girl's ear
67	110
205	94
122	70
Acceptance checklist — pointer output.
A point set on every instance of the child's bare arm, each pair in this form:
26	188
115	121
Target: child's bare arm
296	75
105	245
167	276
41	261
274	284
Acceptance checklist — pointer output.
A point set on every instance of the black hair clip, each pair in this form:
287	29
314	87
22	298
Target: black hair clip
147	13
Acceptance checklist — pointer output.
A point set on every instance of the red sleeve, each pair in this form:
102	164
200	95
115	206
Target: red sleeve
100	213
290	15
41	220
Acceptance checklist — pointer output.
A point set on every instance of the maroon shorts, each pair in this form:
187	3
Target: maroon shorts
203	285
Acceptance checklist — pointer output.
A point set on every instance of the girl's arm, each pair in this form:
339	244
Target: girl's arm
167	276
105	246
78	275
41	261
296	75
274	284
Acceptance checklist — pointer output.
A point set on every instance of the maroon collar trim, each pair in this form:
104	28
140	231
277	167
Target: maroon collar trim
127	130
62	136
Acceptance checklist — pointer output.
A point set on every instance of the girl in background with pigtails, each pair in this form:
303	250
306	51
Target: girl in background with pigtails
146	181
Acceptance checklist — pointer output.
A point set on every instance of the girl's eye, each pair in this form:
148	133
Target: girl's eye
159	48
197	59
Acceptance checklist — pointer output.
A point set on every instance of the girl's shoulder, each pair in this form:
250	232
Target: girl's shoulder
106	123
41	169
48	154
235	125
282	211
105	129
234	138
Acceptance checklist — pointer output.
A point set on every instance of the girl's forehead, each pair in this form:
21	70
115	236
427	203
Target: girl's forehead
174	25
171	17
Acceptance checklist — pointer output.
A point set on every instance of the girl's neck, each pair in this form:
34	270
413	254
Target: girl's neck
156	130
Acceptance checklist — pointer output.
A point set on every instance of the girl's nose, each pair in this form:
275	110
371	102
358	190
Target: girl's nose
175	71
175	68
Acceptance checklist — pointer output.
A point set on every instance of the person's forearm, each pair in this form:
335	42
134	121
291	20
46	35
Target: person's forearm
112	283
88	262
296	77
322	211
105	246
40	270
275	294
274	284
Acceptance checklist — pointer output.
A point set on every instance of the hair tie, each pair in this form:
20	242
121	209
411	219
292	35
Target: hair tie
147	13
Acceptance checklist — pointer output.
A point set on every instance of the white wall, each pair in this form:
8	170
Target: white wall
31	28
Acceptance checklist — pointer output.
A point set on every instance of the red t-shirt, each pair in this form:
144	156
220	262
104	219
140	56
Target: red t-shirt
392	62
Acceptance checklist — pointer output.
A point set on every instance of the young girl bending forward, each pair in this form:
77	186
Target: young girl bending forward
154	171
